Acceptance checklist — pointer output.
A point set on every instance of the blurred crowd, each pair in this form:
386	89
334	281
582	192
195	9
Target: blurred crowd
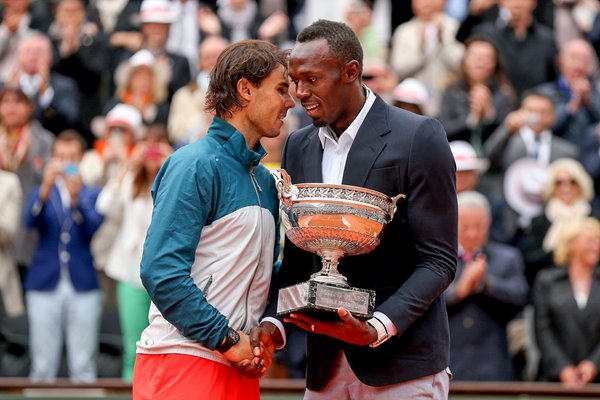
96	94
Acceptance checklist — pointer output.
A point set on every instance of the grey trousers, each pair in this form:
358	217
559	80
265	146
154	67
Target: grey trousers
344	385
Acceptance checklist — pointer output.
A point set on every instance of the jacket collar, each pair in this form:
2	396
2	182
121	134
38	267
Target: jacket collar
235	143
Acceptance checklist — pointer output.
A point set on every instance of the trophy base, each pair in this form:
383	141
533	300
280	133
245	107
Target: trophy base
324	298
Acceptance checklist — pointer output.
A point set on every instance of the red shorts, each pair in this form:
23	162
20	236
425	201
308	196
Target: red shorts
185	377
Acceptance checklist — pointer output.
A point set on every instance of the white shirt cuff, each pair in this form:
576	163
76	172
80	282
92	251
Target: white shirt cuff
279	326
389	325
46	98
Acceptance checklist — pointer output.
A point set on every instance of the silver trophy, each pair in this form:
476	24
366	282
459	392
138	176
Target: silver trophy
332	221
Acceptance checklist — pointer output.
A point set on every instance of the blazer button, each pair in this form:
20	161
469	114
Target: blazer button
468	322
65	237
64	256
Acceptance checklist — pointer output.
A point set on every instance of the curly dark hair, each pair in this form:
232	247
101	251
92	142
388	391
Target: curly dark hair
250	59
341	39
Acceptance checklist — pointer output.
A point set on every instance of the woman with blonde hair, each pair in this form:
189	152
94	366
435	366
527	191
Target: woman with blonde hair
142	81
567	307
567	195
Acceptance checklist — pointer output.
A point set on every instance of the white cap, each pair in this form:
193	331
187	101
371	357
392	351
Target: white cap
142	57
157	11
466	158
411	91
126	116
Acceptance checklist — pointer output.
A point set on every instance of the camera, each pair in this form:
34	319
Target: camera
71	169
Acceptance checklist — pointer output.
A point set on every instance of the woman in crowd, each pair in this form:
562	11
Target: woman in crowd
142	82
567	195
127	198
567	307
477	101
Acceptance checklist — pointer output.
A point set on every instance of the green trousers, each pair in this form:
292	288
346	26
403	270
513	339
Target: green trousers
134	304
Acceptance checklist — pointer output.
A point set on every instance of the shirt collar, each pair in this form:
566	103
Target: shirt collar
352	130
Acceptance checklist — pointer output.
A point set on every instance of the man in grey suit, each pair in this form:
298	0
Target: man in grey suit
357	139
525	133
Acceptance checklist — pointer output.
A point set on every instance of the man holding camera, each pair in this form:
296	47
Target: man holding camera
62	292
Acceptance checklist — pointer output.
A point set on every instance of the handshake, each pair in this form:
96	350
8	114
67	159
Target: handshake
252	354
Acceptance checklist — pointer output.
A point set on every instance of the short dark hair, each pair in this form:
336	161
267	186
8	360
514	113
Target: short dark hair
538	93
71	135
250	59
18	93
341	39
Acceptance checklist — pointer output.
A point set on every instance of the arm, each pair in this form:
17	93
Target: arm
432	218
10	210
182	194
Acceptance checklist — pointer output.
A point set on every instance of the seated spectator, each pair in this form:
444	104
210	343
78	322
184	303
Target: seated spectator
127	199
11	203
25	148
526	47
80	53
431	57
359	16
525	134
142	83
590	158
488	291
17	22
576	98
479	99
567	195
56	96
64	302
411	95
187	119
241	19
567	308
380	78
118	133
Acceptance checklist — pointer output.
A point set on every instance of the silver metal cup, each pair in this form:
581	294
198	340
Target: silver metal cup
332	221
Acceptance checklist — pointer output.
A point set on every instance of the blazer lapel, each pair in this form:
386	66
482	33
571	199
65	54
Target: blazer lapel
367	145
313	157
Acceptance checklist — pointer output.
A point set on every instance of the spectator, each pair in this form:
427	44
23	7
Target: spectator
79	53
17	23
11	202
411	95
194	23
122	128
488	291
524	134
359	16
63	298
127	198
432	56
187	119
241	19
567	308
526	47
479	98
25	148
56	96
567	195
575	95
590	158
142	83
380	78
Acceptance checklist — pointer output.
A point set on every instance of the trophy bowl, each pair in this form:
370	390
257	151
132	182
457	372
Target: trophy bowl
332	221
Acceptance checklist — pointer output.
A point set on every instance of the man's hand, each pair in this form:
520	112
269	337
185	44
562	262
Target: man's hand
586	371
53	169
240	355
350	329
264	339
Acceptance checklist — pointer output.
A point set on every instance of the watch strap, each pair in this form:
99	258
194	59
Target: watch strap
382	334
231	338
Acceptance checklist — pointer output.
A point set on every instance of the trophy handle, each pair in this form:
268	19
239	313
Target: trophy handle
393	206
285	189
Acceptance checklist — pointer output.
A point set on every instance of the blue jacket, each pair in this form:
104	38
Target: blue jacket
64	240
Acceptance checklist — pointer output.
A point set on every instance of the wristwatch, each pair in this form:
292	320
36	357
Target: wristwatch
231	338
382	334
